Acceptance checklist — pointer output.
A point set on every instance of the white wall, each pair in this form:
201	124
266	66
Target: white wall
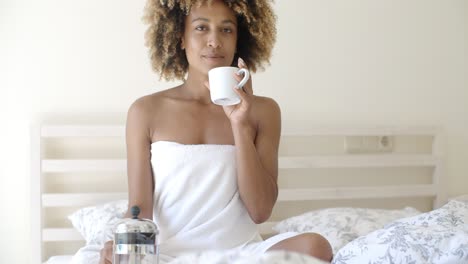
336	62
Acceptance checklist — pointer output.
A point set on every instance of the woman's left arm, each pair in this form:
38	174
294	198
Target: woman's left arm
257	159
256	126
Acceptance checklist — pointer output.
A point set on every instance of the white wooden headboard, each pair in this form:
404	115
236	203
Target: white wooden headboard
356	169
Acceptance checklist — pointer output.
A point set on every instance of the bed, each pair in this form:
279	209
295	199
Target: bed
346	182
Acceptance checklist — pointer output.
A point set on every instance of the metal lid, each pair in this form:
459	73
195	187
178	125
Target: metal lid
135	224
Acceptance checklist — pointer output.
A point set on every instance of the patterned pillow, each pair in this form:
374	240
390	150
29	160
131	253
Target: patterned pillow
95	223
439	237
342	225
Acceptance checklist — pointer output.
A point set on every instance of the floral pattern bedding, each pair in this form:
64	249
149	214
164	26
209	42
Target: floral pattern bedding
439	237
358	235
341	225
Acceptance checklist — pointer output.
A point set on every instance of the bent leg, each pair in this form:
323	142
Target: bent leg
311	244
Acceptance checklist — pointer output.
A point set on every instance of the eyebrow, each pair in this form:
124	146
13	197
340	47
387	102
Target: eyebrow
226	21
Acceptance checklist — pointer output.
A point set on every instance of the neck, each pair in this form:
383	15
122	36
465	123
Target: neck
195	88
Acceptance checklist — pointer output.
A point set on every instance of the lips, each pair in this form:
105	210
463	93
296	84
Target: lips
213	56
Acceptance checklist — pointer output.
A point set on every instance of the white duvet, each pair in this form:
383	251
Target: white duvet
90	255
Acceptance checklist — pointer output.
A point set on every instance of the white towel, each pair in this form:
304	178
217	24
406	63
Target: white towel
197	204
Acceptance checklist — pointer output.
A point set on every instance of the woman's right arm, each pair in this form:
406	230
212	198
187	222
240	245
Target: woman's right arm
140	176
139	172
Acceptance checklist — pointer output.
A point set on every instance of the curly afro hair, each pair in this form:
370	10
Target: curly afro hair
165	19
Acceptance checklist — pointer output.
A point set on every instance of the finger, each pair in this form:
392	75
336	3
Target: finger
207	84
241	63
106	261
240	92
109	257
238	76
248	87
103	259
107	252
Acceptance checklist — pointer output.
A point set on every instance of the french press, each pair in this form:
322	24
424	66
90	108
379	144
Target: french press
136	240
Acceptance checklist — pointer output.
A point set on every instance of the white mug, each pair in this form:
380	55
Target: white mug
222	81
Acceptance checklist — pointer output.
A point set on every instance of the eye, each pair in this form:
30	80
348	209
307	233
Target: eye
200	28
227	30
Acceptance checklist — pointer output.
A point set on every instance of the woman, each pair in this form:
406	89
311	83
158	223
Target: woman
185	152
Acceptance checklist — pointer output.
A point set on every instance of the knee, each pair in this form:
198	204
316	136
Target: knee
316	246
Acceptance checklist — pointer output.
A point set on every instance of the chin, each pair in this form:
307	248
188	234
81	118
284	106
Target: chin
216	63
210	67
205	68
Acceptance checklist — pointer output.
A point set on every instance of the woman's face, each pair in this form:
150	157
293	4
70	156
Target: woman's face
210	37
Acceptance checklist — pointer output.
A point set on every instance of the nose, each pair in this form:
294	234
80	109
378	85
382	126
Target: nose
214	40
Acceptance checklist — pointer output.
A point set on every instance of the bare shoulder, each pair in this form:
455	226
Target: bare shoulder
266	115
150	105
266	108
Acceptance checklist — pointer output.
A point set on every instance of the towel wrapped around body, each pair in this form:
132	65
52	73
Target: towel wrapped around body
197	204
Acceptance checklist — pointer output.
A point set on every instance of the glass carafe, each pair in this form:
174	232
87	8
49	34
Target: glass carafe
136	240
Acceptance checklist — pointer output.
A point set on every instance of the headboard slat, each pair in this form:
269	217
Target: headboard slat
421	190
298	128
343	161
80	199
97	165
357	161
51	131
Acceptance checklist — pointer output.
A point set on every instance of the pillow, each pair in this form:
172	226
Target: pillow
95	223
342	225
439	237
